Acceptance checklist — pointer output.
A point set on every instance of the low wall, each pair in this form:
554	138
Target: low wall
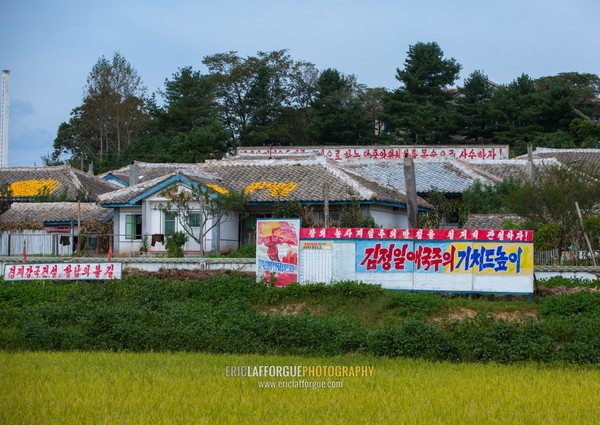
249	265
150	264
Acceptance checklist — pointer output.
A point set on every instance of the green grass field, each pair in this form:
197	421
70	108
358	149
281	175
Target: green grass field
120	388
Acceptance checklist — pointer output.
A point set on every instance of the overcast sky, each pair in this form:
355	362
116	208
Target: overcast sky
50	46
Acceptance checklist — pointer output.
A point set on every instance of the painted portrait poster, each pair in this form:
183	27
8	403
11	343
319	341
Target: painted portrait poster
277	250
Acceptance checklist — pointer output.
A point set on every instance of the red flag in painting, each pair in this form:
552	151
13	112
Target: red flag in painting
109	253
24	251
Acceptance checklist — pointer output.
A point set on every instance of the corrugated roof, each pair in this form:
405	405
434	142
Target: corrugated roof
268	180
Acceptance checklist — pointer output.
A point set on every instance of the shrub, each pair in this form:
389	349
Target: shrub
414	339
569	282
582	302
175	243
414	304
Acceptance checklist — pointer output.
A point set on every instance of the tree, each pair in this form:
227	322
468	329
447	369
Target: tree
113	113
351	215
482	198
215	206
263	99
252	94
339	116
473	107
516	110
187	127
426	73
420	111
583	91
189	103
115	98
303	89
445	210
551	197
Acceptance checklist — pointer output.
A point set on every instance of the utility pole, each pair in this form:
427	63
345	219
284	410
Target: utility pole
411	191
326	203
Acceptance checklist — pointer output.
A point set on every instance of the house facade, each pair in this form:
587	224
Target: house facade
316	183
141	225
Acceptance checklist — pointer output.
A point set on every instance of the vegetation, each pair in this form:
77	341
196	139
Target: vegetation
271	99
131	387
234	314
201	208
545	204
112	116
175	243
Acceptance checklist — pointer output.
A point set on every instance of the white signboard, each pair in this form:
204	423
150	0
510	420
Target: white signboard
382	153
63	271
443	260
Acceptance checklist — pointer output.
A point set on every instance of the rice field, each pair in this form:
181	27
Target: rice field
118	388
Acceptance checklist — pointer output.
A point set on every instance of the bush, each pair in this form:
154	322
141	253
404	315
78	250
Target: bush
223	314
414	339
569	282
582	302
414	304
175	243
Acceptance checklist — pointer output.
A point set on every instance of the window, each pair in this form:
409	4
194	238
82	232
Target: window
169	223
194	219
133	226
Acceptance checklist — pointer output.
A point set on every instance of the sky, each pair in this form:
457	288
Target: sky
50	47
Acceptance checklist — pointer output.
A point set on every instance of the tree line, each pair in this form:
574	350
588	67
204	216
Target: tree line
271	99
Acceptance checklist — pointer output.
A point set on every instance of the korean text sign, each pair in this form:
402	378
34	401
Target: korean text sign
63	271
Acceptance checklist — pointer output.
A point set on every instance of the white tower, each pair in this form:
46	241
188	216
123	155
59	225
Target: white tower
4	119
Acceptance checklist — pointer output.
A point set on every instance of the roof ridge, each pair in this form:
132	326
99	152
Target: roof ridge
476	172
136	187
336	170
76	181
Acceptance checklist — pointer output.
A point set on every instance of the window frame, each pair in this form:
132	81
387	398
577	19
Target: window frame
169	219
133	226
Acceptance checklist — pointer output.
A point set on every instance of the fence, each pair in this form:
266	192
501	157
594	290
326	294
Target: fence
40	242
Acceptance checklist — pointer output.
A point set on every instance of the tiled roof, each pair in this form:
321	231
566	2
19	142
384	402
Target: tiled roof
59	179
128	194
447	175
490	221
268	180
301	179
501	169
568	156
146	171
42	212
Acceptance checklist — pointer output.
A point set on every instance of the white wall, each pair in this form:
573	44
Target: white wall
387	217
123	245
153	224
